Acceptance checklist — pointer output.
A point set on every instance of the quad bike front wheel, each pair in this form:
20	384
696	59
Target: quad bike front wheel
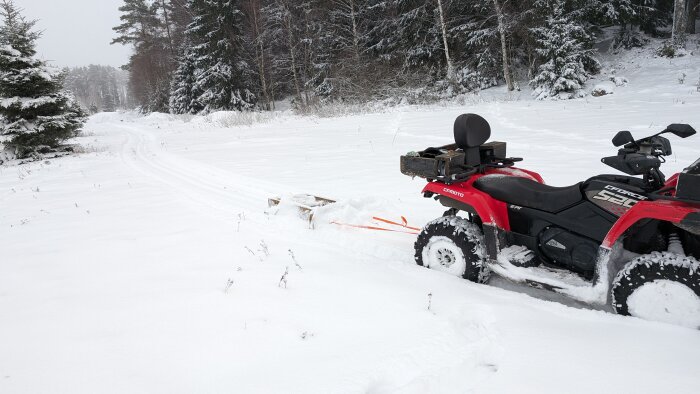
453	245
660	286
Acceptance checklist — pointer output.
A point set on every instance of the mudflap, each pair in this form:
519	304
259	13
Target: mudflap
495	240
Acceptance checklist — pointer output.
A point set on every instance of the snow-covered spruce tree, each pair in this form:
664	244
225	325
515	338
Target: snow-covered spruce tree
634	18
483	42
183	95
317	61
36	114
499	43
352	75
221	73
564	46
282	34
405	37
418	34
299	34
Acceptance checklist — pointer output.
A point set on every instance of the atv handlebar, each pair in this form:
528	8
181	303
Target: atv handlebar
635	163
645	156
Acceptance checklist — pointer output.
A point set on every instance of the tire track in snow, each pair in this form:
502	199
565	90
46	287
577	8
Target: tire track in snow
216	191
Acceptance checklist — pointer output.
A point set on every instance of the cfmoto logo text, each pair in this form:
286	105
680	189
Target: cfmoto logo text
621	197
456	193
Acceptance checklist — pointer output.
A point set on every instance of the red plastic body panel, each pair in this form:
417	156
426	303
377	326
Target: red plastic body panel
495	212
490	210
667	210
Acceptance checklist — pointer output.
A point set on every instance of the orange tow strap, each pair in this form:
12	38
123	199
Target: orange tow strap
404	225
373	228
403	219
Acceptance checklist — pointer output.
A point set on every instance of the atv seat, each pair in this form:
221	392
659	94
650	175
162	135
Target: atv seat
528	193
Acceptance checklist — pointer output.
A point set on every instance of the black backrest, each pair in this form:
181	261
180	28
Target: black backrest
471	131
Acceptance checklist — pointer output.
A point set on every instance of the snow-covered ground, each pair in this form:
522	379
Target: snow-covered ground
153	265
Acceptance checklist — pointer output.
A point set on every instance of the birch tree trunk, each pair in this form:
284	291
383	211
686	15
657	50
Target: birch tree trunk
306	61
450	67
355	35
680	16
504	45
292	56
260	52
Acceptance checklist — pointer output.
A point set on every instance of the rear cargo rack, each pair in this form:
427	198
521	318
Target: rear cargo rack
449	165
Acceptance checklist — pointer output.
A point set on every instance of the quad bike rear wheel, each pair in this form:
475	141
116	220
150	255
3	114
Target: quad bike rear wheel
660	286
453	245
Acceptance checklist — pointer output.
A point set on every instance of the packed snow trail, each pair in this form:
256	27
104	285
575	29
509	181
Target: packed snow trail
209	190
205	186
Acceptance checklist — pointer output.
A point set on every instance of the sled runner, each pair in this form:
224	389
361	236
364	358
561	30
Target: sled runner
611	239
305	203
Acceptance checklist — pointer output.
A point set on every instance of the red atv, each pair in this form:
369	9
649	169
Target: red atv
630	242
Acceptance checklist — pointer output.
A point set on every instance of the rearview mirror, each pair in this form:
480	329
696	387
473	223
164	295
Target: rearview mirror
681	130
622	138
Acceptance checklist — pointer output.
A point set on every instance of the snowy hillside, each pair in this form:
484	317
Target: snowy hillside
152	264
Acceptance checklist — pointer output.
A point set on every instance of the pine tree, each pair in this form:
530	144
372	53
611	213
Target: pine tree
482	39
183	94
144	27
281	33
348	73
180	17
35	112
230	53
300	38
109	101
418	44
259	52
419	37
222	76
564	46
634	17
316	65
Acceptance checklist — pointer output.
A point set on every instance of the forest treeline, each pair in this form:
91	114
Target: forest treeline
99	88
193	56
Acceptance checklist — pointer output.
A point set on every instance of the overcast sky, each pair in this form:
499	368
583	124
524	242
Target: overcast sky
77	32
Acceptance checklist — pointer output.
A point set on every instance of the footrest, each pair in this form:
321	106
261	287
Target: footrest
520	256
